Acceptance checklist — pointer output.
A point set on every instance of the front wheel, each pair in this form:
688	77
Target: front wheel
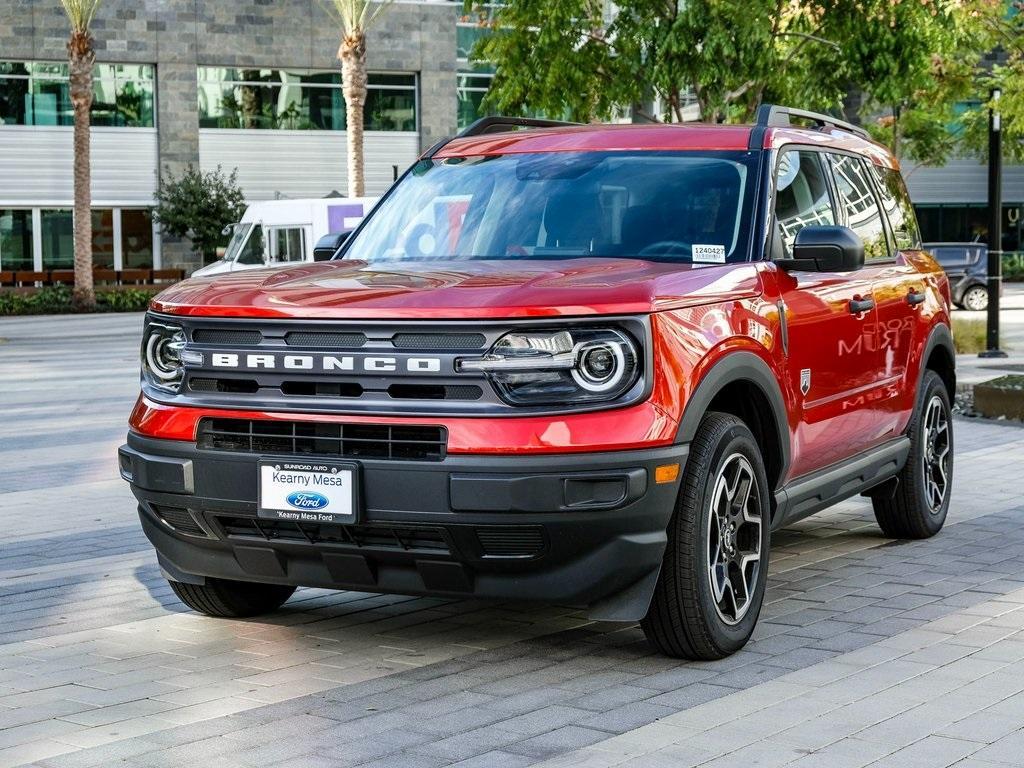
231	599
918	506
975	298
712	581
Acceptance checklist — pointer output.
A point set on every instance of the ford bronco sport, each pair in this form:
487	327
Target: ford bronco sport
586	364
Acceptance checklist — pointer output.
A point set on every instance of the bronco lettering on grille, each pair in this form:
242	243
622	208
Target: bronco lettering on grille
325	362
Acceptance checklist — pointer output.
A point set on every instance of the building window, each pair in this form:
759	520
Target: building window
964	223
58	239
301	100
38	93
102	238
472	87
136	238
15	239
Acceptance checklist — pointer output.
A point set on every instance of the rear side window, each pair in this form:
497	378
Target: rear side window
287	244
853	182
801	196
896	202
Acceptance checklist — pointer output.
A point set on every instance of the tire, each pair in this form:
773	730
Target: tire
918	506
685	619
231	599
975	298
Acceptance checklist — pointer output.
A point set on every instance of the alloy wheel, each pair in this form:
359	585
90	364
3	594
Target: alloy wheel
976	299
936	454
734	539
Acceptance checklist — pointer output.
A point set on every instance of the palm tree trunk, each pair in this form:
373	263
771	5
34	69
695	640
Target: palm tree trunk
82	57
353	76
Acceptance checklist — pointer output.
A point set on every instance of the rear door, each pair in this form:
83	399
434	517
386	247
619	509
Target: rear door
911	300
832	356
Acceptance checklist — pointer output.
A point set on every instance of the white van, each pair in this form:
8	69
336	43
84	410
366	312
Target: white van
281	232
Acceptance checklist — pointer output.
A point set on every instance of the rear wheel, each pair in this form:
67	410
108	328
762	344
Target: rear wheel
712	580
975	298
918	506
231	599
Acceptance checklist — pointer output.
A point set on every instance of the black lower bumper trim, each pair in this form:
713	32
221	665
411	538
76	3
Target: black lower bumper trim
593	528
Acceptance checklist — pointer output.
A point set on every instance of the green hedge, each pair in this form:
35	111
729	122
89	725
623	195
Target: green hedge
56	300
1013	266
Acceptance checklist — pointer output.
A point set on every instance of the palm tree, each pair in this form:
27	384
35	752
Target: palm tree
81	58
355	17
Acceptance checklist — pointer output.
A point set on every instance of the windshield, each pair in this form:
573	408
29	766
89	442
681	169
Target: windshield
678	206
237	238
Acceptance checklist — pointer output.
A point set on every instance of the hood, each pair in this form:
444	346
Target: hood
459	290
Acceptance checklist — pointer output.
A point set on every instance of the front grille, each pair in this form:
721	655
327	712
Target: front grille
434	392
179	519
226	337
438	340
324	340
245	386
356	441
359	536
511	541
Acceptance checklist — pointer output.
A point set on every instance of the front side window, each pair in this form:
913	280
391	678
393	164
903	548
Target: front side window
561	205
801	196
853	183
896	202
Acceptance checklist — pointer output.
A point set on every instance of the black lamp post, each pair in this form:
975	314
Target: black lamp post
995	227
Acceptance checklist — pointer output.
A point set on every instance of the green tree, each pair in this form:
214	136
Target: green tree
910	58
81	58
198	206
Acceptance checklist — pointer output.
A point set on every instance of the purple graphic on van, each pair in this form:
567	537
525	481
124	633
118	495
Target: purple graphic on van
344	218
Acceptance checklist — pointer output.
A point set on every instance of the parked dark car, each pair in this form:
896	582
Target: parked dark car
966	265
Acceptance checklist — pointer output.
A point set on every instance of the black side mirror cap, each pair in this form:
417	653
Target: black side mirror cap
825	249
328	245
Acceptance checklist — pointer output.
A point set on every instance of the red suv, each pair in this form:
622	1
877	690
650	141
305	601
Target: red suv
586	364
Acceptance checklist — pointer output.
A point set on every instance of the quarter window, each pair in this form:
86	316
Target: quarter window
857	199
801	196
896	202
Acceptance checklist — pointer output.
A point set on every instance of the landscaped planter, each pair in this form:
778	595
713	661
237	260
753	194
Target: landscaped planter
1001	398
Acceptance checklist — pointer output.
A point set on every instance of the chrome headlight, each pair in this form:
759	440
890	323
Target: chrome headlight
568	366
162	345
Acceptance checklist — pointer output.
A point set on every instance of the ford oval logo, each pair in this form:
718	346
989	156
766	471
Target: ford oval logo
307	500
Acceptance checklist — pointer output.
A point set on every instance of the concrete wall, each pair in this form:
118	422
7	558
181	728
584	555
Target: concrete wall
179	35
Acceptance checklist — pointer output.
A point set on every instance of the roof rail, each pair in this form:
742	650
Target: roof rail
773	115
498	124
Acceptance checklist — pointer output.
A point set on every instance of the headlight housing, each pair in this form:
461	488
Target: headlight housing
566	366
162	346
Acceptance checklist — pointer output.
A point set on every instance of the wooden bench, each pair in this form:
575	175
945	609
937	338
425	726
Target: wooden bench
30	278
7	278
168	275
62	277
135	276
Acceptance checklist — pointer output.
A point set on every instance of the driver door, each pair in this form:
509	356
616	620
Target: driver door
832	359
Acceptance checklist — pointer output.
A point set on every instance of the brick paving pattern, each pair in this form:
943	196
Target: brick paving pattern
868	651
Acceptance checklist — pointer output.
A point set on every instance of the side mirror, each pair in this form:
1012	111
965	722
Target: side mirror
825	249
328	245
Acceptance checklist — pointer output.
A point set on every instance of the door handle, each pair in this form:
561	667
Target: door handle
916	297
861	305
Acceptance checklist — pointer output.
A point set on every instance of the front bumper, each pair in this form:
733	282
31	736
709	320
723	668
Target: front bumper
583	529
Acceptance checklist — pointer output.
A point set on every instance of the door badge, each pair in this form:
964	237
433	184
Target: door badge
805	380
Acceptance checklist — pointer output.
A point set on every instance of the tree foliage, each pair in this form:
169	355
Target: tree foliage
910	60
198	206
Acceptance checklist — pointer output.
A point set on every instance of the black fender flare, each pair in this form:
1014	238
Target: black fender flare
739	366
940	337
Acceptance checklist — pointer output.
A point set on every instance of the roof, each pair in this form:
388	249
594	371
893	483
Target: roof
657	136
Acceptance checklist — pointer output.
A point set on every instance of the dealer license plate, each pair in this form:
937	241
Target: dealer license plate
307	491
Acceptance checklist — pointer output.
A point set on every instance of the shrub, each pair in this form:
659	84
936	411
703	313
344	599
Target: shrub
970	336
57	300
